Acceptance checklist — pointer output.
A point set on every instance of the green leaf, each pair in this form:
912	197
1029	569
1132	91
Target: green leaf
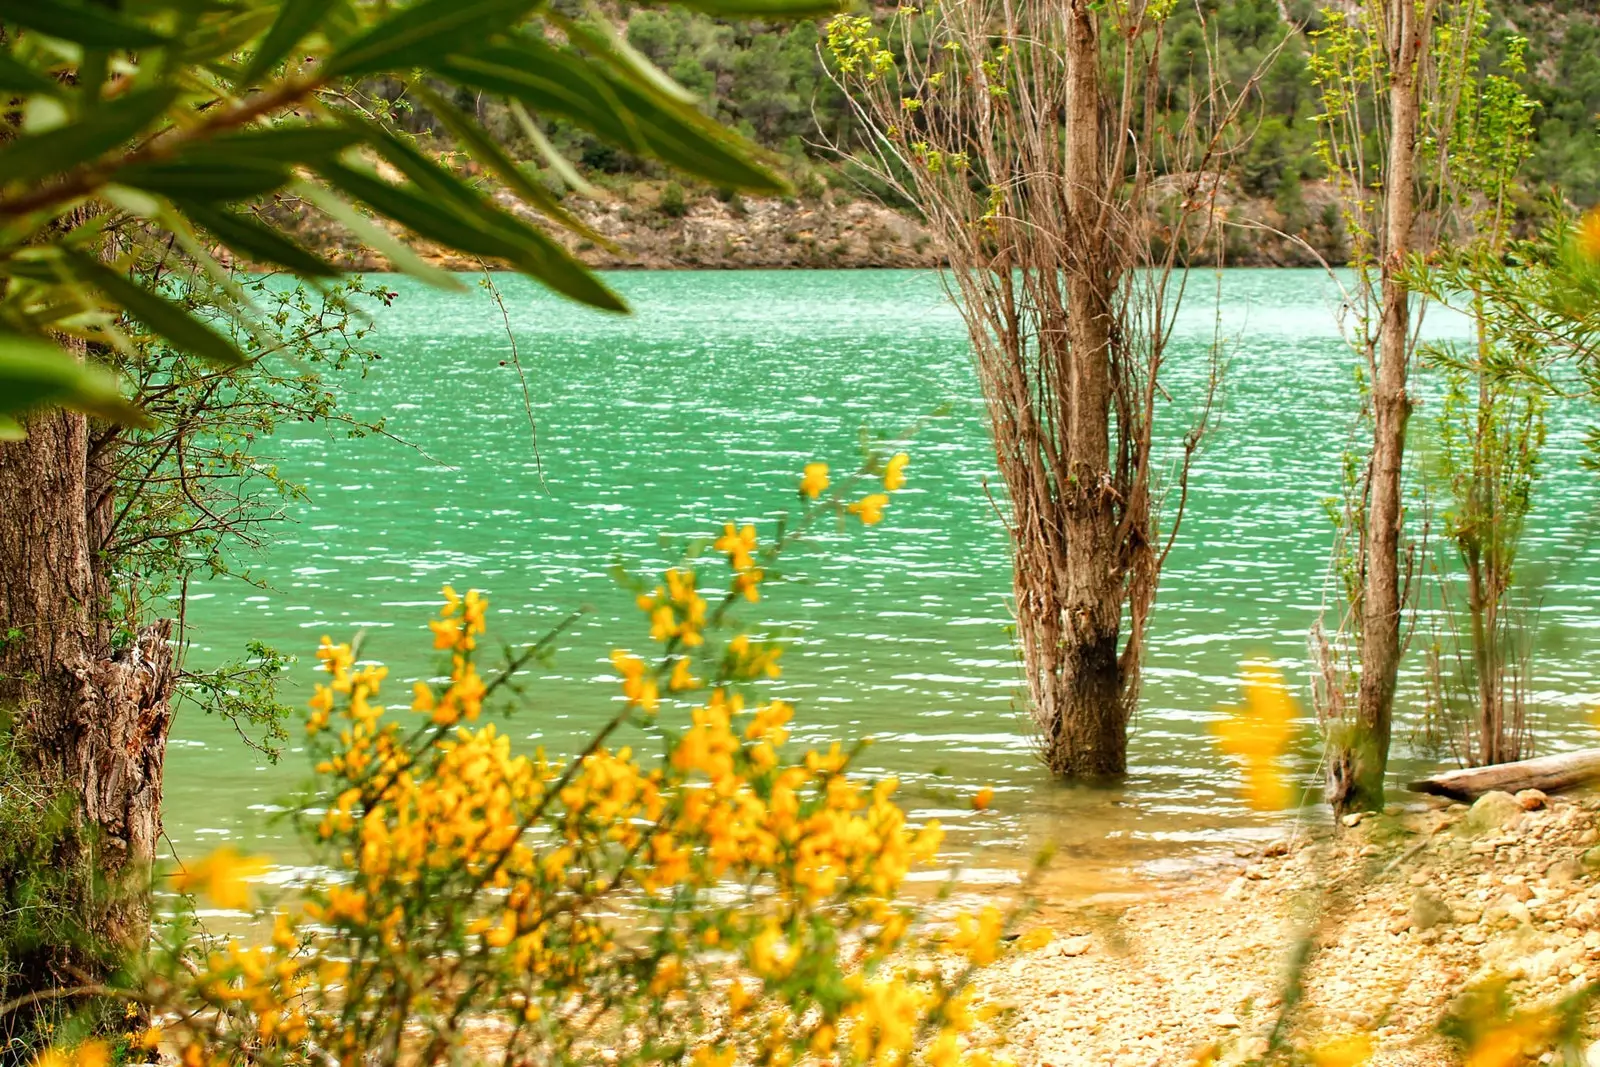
32	157
604	43
451	216
285	145
16	77
239	179
524	246
35	373
92	26
254	241
220	39
555	81
484	149
425	30
296	19
161	315
400	254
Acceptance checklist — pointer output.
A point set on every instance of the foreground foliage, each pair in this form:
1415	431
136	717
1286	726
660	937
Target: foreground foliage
723	896
164	125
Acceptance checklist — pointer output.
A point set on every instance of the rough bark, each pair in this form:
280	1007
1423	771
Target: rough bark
88	722
1356	770
1076	599
1032	168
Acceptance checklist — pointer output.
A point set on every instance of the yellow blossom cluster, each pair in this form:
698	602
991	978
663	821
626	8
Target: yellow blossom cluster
677	610
1589	235
740	546
1259	734
704	858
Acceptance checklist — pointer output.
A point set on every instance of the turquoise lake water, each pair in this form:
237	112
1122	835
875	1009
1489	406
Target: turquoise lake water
702	408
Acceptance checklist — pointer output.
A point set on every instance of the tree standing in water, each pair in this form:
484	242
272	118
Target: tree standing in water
1389	107
1027	134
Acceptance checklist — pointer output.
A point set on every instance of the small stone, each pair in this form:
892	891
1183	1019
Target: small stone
1591	858
1226	1019
1353	819
1076	946
1279	847
1493	811
1564	872
1531	799
1520	891
1428	909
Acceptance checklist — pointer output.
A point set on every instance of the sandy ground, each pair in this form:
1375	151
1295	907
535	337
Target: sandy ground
1398	914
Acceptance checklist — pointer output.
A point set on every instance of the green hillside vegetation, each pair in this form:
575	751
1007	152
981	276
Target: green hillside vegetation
768	81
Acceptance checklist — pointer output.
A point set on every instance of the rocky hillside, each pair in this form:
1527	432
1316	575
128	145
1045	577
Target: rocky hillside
832	230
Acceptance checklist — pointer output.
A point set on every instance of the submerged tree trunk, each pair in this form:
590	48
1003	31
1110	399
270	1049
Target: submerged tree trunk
86	722
1029	140
1069	607
1356	770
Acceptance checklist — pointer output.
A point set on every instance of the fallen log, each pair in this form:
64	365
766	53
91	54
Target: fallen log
1550	774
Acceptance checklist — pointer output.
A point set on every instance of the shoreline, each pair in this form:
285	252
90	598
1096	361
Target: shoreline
1399	915
629	230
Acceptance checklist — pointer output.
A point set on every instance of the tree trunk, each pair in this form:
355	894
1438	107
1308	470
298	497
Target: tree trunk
1069	579
1356	770
87	722
1549	774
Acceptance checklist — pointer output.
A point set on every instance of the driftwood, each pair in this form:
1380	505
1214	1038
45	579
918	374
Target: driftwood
1548	773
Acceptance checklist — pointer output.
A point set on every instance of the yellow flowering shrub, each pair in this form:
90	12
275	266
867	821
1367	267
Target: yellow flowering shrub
689	888
1259	734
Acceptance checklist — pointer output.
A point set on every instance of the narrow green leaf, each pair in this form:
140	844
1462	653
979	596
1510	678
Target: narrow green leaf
484	149
425	30
32	157
257	242
605	43
286	144
420	214
451	216
296	19
239	179
400	255
161	315
524	246
16	77
550	153
92	26
35	373
221	39
554	81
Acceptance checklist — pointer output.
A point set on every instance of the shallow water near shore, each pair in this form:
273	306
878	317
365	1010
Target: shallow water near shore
702	408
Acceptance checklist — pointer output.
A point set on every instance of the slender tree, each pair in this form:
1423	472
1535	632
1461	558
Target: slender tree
1031	137
1388	121
1490	426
